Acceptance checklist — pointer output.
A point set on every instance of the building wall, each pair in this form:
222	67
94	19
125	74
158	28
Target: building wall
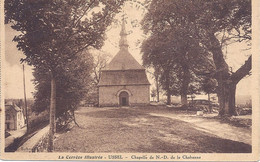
14	119
20	120
11	119
138	95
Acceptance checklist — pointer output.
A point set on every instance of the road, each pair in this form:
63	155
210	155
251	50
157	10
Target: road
151	130
14	134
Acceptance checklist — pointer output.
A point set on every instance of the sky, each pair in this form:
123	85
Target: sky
236	55
13	73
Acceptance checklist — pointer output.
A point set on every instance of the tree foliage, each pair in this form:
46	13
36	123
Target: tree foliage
100	61
73	84
52	35
54	32
203	22
179	55
209	85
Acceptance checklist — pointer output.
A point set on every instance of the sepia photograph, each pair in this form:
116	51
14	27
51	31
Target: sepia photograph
130	80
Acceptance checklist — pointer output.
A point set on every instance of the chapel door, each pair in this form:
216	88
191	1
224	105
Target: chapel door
123	99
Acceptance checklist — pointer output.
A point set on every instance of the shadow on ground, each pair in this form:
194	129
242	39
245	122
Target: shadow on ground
132	130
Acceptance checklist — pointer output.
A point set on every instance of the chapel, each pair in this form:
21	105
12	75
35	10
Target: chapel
123	81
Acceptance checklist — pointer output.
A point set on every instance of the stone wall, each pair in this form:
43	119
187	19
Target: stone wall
138	95
42	144
37	143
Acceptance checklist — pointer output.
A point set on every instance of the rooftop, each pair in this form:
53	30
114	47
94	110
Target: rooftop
123	59
128	77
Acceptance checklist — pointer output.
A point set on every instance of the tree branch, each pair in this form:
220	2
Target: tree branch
242	71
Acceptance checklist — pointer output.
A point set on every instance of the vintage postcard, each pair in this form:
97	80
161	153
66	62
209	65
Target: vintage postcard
130	80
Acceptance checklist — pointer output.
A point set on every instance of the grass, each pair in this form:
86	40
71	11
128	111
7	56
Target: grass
134	130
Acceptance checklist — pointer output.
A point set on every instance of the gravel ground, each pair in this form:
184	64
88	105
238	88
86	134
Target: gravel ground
138	129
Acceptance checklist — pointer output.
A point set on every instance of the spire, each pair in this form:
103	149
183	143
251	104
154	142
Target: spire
123	40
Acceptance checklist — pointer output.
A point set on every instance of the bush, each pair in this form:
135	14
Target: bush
37	121
244	111
66	121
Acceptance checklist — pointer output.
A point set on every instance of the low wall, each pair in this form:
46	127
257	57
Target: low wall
37	143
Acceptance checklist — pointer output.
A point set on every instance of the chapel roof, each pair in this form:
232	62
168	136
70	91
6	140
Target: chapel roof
123	60
123	68
127	77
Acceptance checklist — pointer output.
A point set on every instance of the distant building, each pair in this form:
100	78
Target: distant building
123	81
14	118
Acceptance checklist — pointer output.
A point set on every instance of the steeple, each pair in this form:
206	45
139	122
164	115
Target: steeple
123	40
123	60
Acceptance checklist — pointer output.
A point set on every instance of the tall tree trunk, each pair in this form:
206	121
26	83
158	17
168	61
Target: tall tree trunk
157	84
52	113
169	98
222	72
185	85
25	103
232	99
227	89
226	82
167	74
184	101
158	95
221	94
227	101
209	106
157	89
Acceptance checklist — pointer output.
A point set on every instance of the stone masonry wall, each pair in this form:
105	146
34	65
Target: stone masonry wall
138	95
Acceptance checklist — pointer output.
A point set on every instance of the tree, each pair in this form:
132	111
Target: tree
153	93
204	20
100	61
170	83
157	83
234	18
179	57
73	84
156	74
209	86
53	32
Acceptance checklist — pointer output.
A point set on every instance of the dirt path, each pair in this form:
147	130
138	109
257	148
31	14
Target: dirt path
146	130
14	134
222	130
